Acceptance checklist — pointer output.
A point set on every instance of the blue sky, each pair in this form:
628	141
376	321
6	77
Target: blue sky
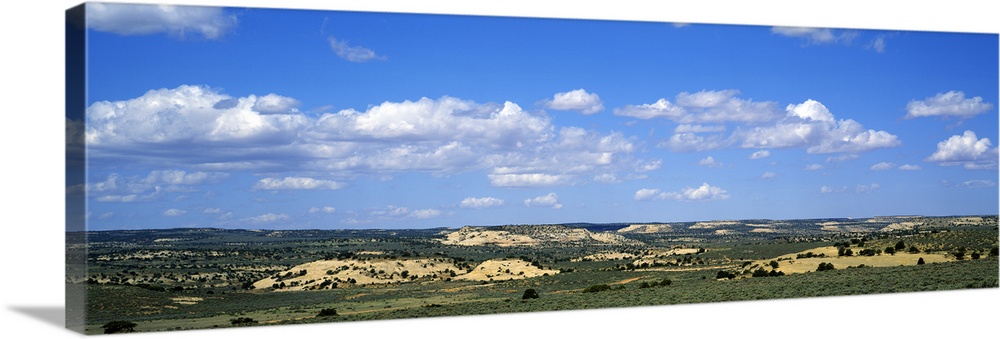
262	118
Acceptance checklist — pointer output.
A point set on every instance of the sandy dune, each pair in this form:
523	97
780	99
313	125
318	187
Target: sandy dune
361	272
884	260
505	269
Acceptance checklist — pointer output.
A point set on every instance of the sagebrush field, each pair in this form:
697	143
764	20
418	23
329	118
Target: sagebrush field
156	280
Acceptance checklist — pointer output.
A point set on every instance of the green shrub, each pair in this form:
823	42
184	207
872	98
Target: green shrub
597	288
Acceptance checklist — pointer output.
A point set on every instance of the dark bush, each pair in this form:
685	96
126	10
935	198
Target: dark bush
241	321
725	275
327	312
597	288
119	326
530	294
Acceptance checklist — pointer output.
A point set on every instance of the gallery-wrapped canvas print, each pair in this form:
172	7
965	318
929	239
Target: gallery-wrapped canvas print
239	167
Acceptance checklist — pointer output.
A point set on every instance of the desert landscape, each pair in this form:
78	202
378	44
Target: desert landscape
175	279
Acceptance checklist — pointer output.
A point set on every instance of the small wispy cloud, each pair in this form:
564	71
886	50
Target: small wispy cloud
353	53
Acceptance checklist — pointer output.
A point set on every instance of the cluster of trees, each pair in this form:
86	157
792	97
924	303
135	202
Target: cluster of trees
664	282
327	312
725	275
870	252
761	272
823	266
597	288
809	255
844	252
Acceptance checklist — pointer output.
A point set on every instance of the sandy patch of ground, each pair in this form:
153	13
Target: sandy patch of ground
884	260
605	256
359	272
505	269
646	228
967	221
649	257
626	281
186	300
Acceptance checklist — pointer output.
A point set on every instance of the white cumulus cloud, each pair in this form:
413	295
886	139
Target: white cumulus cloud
952	103
473	202
710	162
966	150
549	200
295	183
704	107
268	218
705	192
527	180
761	154
908	167
324	209
203	128
143	19
811	125
576	100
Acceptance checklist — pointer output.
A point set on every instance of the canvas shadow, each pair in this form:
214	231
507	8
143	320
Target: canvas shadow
53	315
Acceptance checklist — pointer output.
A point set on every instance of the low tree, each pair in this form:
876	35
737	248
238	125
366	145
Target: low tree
327	312
530	294
242	321
119	326
890	250
597	288
774	264
823	266
725	275
920	261
900	245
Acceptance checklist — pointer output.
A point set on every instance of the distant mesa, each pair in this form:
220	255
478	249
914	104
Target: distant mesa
714	224
532	235
646	229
